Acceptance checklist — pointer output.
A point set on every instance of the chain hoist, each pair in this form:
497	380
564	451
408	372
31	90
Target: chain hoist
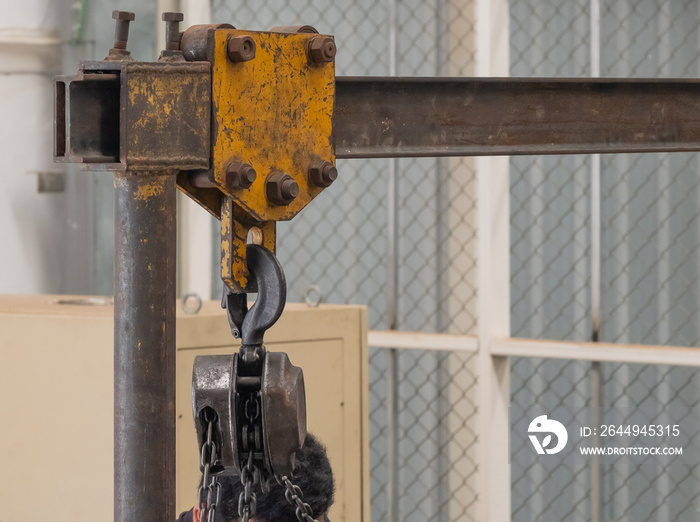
250	407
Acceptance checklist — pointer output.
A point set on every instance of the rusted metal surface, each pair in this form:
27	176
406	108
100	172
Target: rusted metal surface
172	30
299	29
268	98
273	112
213	388
197	41
134	116
284	411
121	36
165	115
216	385
407	117
240	48
236	223
144	347
89	132
207	198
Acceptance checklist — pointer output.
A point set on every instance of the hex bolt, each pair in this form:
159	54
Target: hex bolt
290	190
240	48
322	173
321	49
240	175
172	30
280	188
121	31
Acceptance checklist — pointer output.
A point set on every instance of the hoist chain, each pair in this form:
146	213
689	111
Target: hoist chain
210	489
293	494
251	439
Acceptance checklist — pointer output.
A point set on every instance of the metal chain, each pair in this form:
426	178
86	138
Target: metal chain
210	490
250	473
293	495
247	501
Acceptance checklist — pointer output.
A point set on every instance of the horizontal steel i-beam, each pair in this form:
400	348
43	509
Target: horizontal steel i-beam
430	117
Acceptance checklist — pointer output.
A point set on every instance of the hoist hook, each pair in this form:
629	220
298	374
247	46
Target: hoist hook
251	325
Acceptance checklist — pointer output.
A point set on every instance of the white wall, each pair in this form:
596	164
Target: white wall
31	223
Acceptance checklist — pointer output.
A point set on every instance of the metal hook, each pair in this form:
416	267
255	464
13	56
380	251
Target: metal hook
272	294
250	325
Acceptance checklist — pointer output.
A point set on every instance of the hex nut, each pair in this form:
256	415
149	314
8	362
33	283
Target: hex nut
280	188
322	174
240	175
321	49
240	48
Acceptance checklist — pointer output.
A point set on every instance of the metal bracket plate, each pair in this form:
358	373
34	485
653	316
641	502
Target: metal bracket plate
273	112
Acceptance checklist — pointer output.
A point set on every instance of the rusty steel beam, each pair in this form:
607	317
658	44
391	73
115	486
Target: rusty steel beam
144	346
430	117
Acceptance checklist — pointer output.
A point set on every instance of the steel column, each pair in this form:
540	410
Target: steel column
144	347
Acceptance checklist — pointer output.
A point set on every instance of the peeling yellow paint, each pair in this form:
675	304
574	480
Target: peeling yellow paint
274	112
150	189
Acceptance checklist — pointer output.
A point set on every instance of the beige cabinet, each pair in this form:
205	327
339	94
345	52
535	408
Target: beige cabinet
56	428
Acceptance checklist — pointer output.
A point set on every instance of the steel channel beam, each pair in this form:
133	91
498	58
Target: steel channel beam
430	117
144	347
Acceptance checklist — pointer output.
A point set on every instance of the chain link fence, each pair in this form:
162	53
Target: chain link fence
649	238
425	440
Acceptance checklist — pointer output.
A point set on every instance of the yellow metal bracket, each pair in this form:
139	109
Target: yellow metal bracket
272	113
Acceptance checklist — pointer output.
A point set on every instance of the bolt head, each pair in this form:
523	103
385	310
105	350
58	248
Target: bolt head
240	175
281	189
322	49
173	17
240	48
123	15
247	176
290	189
330	173
323	174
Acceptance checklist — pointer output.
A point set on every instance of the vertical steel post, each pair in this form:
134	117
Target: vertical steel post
392	382
144	347
596	486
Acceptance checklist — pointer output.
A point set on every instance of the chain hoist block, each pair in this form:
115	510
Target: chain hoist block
265	414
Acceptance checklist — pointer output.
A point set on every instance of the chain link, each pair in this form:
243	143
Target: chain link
293	495
247	501
210	490
250	473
